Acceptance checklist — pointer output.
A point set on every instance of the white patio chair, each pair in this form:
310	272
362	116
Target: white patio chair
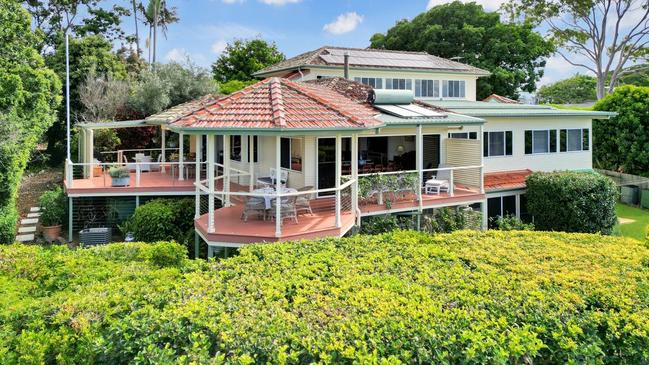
439	181
129	165
270	180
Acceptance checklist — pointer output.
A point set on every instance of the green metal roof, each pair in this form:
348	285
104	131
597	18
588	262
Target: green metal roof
113	124
448	119
490	109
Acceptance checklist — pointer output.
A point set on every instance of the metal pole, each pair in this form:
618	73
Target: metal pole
67	93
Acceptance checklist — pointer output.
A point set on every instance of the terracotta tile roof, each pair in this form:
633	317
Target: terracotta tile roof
505	180
368	57
179	110
278	103
351	89
500	99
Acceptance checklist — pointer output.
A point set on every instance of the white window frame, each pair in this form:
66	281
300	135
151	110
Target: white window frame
581	139
557	141
461	86
379	79
290	154
391	82
436	87
486	143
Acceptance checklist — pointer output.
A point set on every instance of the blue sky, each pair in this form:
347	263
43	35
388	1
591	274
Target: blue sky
295	25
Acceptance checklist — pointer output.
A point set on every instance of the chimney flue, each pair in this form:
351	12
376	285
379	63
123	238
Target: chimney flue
346	56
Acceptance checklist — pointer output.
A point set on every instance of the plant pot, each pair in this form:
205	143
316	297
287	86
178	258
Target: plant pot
120	181
51	233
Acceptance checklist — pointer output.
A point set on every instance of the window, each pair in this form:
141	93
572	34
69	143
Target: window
235	148
398	84
453	88
374	82
291	157
429	88
501	206
497	144
544	141
463	135
571	140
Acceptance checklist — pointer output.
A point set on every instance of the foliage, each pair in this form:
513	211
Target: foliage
514	53
573	90
86	54
620	143
638	221
102	97
572	202
157	15
106	140
386	223
462	298
242	58
29	93
53	207
637	75
162	219
442	220
601	36
512	223
171	84
388	185
231	86
119	172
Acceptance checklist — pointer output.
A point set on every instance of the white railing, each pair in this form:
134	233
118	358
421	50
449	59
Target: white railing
131	174
278	206
130	153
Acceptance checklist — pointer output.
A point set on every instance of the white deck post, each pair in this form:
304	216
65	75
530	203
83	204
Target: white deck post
278	186
354	162
198	151
181	158
451	184
420	164
251	163
210	181
485	219
70	221
338	176
481	136
69	173
163	146
226	170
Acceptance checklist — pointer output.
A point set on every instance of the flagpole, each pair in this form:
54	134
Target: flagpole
67	94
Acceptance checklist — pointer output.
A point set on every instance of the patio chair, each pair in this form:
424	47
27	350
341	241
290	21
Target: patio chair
303	202
270	180
439	182
129	165
253	205
157	165
287	209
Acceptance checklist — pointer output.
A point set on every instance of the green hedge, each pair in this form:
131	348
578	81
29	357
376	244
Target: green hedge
462	298
572	202
162	219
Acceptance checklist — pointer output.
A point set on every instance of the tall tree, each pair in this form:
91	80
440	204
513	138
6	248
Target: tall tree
79	17
514	53
573	90
244	57
137	33
156	14
606	34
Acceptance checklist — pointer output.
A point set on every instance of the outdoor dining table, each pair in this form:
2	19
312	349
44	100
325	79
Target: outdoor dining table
269	194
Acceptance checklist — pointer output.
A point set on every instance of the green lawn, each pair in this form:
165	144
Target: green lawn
640	216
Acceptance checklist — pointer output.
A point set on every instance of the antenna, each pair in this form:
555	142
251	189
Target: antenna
67	93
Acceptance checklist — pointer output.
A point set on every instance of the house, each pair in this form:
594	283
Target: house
307	152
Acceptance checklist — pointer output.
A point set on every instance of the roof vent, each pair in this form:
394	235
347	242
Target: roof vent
381	96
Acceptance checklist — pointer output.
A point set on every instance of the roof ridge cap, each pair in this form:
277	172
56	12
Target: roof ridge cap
330	104
277	102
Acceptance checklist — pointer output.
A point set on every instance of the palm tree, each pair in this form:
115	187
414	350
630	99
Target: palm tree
137	34
156	15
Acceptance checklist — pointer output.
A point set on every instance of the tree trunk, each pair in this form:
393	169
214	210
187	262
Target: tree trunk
156	14
601	86
137	34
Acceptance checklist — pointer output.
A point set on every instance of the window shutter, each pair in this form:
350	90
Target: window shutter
528	142
563	140
485	144
585	139
553	140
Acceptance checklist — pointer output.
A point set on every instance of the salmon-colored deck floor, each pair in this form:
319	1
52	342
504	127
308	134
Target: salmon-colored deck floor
230	228
149	182
409	202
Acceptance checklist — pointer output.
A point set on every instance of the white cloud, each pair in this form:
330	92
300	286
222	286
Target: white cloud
344	23
219	46
279	2
232	1
177	55
229	31
487	4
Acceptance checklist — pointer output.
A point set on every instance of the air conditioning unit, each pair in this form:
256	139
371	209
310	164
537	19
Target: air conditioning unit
95	236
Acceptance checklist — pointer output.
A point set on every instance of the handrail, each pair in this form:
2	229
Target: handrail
452	168
141	149
282	194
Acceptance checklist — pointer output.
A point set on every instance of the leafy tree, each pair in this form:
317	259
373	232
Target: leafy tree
80	17
608	34
242	58
171	84
29	94
620	143
637	75
85	54
102	97
514	53
573	90
156	14
231	86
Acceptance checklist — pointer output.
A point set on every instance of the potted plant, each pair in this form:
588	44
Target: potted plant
52	205
120	176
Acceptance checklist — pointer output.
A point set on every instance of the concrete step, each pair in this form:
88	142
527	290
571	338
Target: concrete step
35	209
33	215
31	229
29	221
25	237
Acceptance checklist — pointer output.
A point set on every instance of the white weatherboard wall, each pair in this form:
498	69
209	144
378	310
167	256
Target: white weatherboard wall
397	74
581	160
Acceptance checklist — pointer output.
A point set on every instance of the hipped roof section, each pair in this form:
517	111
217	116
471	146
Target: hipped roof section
278	104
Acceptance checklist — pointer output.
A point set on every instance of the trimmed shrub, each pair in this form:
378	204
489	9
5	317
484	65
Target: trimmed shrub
512	223
161	219
572	202
53	207
462	298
